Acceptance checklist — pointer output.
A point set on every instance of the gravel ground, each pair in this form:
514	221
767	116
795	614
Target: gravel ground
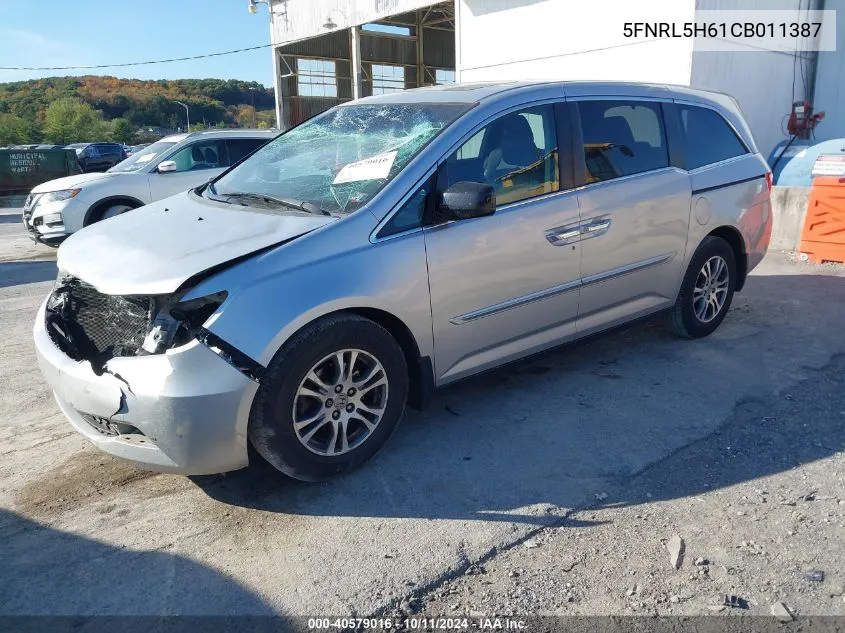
746	533
514	456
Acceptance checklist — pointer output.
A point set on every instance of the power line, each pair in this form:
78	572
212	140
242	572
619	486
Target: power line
154	61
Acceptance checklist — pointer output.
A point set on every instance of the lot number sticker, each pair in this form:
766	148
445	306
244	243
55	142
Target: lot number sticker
372	168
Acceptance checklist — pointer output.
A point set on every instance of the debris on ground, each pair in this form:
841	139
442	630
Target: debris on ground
781	612
601	496
735	602
676	551
530	544
814	575
701	561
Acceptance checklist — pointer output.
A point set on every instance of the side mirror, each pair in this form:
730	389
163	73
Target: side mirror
166	166
465	200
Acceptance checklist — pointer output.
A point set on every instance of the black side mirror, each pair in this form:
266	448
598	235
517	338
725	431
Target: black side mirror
465	200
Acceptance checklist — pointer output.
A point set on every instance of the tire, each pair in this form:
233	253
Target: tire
284	398
686	318
112	211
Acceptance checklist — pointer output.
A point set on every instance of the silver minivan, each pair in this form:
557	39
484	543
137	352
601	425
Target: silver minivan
390	246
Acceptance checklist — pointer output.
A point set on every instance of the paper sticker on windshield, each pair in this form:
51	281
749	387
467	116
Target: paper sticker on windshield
145	158
371	168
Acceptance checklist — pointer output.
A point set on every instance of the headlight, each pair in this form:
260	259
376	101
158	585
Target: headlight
56	196
178	323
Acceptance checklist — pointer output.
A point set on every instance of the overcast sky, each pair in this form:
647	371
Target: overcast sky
87	32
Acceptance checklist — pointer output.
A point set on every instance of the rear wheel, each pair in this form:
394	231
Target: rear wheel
706	292
330	399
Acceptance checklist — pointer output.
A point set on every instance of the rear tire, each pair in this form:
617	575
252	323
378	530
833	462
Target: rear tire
330	398
706	291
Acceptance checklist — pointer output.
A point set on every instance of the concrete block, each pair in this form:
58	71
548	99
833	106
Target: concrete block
789	208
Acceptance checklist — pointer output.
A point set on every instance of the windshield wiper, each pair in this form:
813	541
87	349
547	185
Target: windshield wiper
291	203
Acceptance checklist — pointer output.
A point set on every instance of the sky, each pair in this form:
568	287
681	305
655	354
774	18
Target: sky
87	32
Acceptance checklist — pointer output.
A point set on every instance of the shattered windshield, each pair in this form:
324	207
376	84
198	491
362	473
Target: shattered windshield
335	162
143	157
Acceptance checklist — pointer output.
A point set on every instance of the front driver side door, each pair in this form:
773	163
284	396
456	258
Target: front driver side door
196	164
506	285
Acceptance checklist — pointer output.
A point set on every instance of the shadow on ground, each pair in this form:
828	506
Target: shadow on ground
527	442
106	580
26	272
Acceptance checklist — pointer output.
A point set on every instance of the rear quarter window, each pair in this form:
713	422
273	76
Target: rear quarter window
707	137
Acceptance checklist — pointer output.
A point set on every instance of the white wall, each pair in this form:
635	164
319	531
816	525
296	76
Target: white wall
558	39
830	81
294	20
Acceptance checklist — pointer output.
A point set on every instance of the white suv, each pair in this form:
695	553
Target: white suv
57	208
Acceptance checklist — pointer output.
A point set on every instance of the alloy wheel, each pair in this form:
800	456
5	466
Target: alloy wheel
711	289
340	402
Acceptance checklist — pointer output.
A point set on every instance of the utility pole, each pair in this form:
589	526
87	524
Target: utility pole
187	114
252	101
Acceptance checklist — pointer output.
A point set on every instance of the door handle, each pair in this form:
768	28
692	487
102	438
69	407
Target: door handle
560	237
602	225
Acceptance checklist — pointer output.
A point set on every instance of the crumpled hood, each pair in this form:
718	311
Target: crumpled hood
156	248
70	182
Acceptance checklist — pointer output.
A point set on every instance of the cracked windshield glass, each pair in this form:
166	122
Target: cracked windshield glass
336	162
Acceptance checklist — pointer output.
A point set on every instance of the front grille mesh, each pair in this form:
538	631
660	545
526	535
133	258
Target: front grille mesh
91	324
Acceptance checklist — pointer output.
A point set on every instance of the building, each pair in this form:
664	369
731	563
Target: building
328	51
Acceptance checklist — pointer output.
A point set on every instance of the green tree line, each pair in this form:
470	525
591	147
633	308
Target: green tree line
69	109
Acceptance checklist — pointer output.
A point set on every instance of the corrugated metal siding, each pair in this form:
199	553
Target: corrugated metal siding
439	48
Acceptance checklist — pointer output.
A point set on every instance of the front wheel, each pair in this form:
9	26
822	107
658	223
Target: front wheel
330	398
706	292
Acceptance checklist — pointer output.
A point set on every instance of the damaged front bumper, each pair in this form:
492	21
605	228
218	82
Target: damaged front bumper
183	411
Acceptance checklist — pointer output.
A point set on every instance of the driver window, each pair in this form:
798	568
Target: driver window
202	155
517	154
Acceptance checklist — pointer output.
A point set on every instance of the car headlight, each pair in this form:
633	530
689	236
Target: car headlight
178	323
56	196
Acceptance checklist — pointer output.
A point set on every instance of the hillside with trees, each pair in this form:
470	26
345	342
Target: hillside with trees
69	109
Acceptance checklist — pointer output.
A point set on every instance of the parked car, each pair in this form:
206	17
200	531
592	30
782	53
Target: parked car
57	208
390	246
97	157
134	149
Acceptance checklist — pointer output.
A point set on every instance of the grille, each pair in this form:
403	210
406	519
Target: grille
91	324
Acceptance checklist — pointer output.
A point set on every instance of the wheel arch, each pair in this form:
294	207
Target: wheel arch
735	240
95	208
420	367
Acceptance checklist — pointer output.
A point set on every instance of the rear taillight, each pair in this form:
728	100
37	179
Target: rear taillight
769	180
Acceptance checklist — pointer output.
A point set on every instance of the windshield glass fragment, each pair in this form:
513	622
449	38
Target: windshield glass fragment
337	161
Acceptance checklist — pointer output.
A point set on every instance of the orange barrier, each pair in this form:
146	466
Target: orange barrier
823	238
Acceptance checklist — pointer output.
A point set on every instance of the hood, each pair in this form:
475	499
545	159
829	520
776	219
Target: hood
157	248
69	182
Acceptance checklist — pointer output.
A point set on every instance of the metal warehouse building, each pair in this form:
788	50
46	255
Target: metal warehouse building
329	51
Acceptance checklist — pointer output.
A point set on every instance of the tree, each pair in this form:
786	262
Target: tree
14	130
122	131
69	119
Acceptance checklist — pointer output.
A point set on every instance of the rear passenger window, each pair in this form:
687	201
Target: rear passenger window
707	138
622	138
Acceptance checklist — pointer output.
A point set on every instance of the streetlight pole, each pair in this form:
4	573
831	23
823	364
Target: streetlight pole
187	114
